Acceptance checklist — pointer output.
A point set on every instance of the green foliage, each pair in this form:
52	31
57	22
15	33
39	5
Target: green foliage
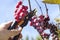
27	38
32	38
38	38
58	33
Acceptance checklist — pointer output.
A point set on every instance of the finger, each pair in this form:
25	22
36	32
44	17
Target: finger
5	25
8	33
8	24
14	32
20	36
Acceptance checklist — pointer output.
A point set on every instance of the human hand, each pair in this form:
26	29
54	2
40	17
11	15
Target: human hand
5	34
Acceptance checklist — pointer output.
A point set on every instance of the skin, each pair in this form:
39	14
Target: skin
6	34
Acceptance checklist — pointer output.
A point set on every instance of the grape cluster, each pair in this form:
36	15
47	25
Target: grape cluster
20	12
45	29
39	24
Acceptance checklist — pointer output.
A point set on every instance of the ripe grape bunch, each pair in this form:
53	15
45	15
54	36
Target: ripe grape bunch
20	12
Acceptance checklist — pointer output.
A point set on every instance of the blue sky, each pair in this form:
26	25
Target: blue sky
7	8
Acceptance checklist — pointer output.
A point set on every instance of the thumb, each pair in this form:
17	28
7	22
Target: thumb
5	25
